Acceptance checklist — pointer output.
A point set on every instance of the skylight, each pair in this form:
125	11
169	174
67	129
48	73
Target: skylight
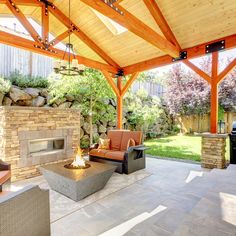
114	27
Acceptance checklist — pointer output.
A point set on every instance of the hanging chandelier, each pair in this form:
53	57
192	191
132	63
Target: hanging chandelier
69	67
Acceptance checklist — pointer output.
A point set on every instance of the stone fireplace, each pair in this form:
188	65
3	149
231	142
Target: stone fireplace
30	137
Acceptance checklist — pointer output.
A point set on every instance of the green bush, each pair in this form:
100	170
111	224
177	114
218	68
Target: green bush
176	129
151	135
5	85
84	143
26	81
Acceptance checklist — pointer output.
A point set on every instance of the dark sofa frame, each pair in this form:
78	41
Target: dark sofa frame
134	159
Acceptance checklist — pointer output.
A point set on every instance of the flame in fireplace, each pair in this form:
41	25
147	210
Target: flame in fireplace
79	160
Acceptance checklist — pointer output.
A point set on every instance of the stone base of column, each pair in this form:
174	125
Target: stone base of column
213	150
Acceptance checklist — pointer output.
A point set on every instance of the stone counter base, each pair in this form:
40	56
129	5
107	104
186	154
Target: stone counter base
213	151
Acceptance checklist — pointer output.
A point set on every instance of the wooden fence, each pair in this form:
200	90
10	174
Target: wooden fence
27	63
201	123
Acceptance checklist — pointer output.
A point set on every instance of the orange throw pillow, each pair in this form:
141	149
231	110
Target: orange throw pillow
104	144
130	143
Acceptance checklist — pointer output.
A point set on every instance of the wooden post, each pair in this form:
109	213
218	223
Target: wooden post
119	104
214	93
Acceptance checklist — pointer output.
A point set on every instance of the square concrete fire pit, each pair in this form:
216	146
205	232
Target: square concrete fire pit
77	183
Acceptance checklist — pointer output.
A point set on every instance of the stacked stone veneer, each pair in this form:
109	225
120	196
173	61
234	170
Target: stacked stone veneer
213	151
20	124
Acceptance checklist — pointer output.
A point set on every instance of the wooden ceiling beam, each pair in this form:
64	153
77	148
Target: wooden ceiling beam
27	44
227	70
111	83
77	31
134	25
23	2
198	71
23	20
193	52
60	38
129	83
45	23
161	22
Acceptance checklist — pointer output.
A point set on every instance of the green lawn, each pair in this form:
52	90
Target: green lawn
177	146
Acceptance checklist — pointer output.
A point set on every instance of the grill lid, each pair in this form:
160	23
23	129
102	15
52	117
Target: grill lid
234	128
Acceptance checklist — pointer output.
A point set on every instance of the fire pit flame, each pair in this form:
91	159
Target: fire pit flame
79	162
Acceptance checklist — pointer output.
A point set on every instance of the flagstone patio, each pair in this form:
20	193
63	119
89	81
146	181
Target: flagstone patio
167	198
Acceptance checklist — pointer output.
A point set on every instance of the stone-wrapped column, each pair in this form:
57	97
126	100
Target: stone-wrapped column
213	150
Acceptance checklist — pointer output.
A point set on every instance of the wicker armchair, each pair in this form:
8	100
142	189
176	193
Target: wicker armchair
25	212
5	173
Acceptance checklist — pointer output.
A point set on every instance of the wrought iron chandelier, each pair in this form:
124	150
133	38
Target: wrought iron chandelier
69	67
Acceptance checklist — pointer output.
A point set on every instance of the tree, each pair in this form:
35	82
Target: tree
91	90
186	93
189	94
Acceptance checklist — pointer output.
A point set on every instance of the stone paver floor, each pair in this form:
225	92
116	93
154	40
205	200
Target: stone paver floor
175	198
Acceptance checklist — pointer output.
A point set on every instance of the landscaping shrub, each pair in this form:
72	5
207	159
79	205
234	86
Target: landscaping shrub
27	81
5	86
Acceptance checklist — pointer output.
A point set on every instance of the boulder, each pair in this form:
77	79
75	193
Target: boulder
46	105
95	128
110	128
48	99
75	105
38	101
81	121
65	105
17	94
112	123
70	98
103	135
95	137
1	98
33	92
102	129
7	101
103	121
84	141
113	102
81	132
27	103
44	93
59	101
54	105
111	109
86	127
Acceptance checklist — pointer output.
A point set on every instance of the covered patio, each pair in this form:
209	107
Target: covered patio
121	39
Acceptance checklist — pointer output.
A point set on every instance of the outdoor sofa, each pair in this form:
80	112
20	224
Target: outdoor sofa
127	159
5	173
25	212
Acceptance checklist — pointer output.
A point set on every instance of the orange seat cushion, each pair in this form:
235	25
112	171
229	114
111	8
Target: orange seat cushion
115	155
98	152
135	135
4	176
115	136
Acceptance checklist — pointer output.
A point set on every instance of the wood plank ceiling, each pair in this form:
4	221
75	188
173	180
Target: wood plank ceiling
192	22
